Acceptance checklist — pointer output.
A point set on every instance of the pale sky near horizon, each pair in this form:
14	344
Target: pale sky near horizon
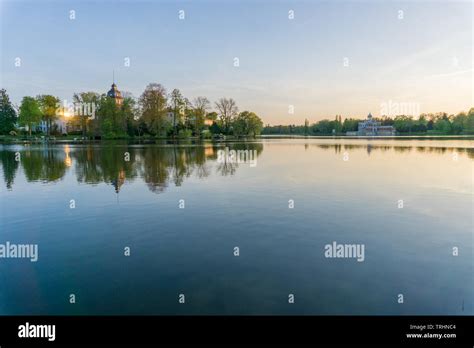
423	59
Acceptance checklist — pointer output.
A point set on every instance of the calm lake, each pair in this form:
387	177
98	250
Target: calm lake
183	210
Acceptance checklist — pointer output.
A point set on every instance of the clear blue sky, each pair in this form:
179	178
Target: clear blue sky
424	58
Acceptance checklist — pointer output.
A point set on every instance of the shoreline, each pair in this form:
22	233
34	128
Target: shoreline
68	140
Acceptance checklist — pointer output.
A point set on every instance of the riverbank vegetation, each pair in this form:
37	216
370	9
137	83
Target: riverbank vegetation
158	114
155	114
426	124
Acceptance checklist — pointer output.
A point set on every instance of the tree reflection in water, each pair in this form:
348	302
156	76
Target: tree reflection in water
157	165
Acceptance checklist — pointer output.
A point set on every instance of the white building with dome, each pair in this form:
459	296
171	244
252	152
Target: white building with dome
372	127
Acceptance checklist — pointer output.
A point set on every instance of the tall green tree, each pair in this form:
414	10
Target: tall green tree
468	124
86	103
323	127
403	123
306	126
247	124
350	125
153	109
8	115
178	105
129	113
111	122
338	124
30	113
48	105
212	116
443	125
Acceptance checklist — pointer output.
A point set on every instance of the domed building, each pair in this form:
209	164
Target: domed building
115	94
372	127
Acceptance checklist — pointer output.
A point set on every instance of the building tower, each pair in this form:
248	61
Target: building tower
115	93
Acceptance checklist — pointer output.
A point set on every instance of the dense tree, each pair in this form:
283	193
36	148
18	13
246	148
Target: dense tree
350	125
178	105
443	125
439	123
212	116
30	113
323	127
48	105
468	123
7	113
153	109
247	124
338	124
111	119
306	126
85	103
215	128
403	123
129	113
458	123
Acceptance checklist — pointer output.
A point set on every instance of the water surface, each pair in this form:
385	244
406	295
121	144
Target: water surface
344	190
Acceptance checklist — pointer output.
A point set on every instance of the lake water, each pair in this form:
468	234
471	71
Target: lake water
409	202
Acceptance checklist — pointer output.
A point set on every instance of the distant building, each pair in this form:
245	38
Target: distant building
179	118
170	117
63	125
58	125
371	127
115	94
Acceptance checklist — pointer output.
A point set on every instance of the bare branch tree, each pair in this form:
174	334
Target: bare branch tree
227	110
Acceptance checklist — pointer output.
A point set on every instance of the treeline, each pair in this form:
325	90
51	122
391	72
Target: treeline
438	123
154	114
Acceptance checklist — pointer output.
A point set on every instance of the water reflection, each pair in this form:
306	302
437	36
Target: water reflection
114	164
233	204
10	167
157	166
340	148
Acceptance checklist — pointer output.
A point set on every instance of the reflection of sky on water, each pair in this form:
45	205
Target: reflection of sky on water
135	203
